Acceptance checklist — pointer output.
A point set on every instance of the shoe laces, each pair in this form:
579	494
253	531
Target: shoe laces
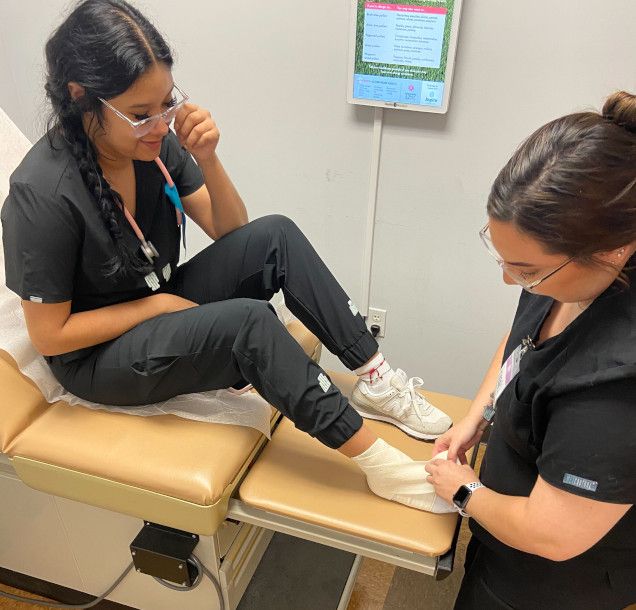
412	399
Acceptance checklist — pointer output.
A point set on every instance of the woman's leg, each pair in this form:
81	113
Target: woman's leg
216	344
512	579
272	254
474	594
209	347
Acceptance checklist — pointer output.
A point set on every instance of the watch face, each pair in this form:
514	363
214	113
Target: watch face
461	496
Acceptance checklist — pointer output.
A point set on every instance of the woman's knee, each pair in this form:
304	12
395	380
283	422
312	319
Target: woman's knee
275	223
255	311
259	334
224	321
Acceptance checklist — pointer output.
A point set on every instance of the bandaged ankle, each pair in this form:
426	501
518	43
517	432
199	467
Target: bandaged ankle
380	454
374	369
393	475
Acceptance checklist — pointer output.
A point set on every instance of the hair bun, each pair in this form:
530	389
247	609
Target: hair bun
620	108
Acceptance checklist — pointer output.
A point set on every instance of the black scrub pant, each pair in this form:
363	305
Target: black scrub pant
496	582
234	336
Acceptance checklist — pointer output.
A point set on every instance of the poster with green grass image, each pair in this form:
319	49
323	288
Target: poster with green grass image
402	50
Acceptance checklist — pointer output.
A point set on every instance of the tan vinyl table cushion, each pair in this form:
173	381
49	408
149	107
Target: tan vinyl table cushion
21	403
298	477
166	469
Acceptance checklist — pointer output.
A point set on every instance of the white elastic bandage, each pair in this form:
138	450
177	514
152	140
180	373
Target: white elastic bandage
393	475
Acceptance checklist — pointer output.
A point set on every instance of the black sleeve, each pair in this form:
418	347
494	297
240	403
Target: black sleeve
179	162
590	446
41	243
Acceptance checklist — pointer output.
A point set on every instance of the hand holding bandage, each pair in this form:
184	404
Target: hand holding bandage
456	441
447	477
393	475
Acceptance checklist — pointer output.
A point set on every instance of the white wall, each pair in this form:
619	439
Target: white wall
274	76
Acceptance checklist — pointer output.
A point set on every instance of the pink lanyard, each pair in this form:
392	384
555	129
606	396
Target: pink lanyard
149	251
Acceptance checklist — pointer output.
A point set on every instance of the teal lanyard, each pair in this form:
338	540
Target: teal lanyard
171	191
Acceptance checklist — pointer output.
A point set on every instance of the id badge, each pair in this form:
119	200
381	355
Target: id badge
511	367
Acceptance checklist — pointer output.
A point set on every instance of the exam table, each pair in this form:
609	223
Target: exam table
78	485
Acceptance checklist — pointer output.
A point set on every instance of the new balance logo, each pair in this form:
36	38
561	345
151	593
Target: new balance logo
324	382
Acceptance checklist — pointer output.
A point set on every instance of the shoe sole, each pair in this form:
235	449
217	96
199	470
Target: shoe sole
397	424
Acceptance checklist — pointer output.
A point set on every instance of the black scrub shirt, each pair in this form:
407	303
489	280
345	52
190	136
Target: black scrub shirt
56	245
569	416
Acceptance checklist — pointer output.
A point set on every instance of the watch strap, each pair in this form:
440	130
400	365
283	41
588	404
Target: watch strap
472	487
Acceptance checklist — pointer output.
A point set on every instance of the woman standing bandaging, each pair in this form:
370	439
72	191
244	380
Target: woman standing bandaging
554	524
91	238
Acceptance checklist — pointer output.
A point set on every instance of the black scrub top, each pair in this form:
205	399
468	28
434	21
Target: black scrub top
56	245
570	417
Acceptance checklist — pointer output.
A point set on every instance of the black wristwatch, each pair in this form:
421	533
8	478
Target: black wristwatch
463	495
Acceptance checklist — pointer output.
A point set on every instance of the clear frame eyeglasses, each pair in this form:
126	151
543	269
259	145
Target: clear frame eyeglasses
145	126
523	278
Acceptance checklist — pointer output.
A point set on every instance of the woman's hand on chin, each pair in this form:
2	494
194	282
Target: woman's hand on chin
197	131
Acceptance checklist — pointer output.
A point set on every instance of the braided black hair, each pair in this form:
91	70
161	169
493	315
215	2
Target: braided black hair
104	46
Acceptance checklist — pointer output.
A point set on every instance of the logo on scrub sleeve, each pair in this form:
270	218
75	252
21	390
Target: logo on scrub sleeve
580	482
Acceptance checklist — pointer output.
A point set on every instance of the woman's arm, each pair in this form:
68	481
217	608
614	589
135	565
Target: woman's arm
221	212
53	329
551	523
216	207
482	398
462	436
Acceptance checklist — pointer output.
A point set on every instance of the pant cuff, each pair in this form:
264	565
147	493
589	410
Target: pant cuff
360	352
341	429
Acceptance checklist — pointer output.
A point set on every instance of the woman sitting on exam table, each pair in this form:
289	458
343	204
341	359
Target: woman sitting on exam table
92	242
553	519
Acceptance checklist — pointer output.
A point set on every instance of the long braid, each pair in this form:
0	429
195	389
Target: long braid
104	46
109	202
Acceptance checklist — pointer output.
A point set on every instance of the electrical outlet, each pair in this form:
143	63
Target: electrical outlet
377	316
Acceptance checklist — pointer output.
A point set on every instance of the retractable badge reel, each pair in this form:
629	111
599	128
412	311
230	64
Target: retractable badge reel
508	372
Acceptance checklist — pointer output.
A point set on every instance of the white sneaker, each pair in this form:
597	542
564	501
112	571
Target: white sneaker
401	405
